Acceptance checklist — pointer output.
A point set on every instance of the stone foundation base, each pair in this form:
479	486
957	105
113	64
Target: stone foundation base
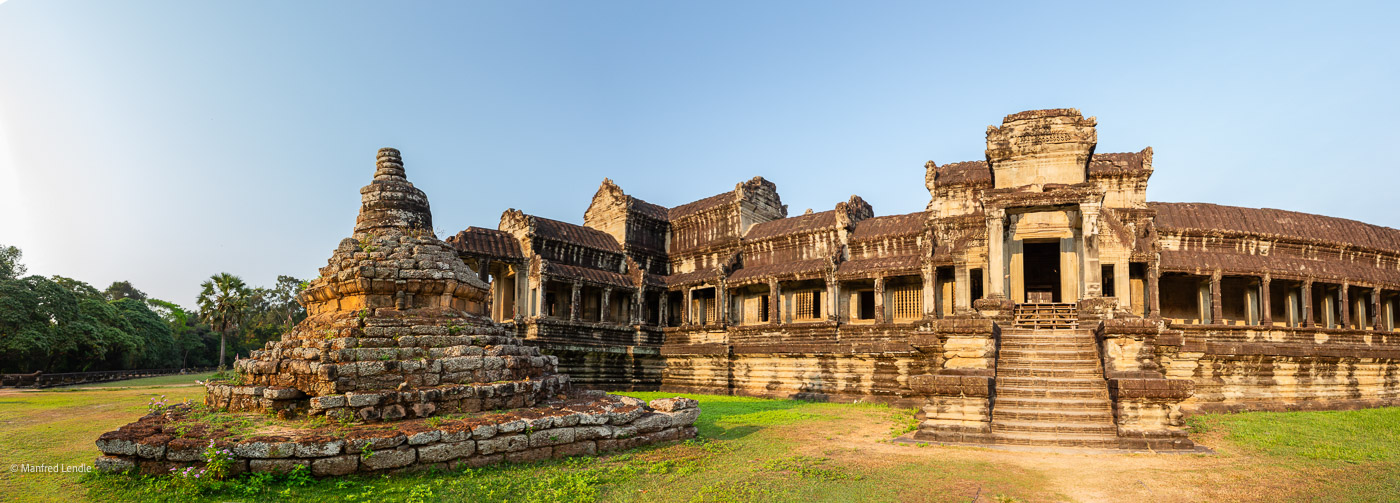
386	405
581	426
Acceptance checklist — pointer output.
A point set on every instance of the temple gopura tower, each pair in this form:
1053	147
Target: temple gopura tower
1039	299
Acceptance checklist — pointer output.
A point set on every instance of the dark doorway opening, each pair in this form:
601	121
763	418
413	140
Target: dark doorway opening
1042	271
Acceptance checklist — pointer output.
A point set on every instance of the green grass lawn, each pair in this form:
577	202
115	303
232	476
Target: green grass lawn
753	449
170	380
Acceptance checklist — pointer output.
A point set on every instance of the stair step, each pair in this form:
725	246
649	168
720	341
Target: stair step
1056	439
1032	364
1000	414
1038	403
1034	427
1088	392
1087	373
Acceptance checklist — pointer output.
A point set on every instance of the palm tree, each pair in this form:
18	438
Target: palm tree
222	302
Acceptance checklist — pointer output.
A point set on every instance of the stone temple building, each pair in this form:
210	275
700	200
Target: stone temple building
1040	298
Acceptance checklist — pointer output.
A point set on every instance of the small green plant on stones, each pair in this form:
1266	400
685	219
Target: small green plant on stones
454	329
366	452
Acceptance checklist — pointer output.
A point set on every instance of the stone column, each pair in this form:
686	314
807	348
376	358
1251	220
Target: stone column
929	281
687	310
963	288
722	304
1307	303
1344	304
1266	309
775	299
1377	323
485	272
1154	304
575	301
1093	271
605	307
663	309
880	299
1216	313
996	254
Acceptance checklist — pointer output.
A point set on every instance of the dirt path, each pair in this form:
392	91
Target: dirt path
1069	475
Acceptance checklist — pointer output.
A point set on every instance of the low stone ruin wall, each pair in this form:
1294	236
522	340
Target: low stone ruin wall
582	426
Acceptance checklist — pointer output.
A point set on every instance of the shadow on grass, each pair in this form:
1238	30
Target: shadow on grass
731	417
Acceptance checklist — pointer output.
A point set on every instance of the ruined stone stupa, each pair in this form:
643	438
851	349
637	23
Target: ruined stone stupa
396	332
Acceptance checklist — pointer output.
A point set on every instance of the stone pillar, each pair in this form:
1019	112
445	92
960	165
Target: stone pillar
832	303
1377	323
775	300
485	272
722	304
929	280
604	306
1216	313
663	309
963	289
880	299
575	301
1093	271
996	254
1266	309
1154	303
1307	303
687	310
1344	304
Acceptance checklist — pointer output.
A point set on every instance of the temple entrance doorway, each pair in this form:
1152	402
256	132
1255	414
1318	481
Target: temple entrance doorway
1042	271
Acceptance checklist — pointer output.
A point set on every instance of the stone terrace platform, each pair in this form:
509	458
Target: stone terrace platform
587	425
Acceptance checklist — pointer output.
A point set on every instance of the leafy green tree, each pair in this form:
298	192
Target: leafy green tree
158	343
185	329
78	288
32	310
223	302
123	290
10	268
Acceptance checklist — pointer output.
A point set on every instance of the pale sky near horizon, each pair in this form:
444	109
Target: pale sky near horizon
163	142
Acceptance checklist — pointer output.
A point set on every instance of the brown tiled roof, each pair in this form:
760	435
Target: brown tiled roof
687	278
1205	262
694	207
891	225
650	279
970	172
1278	224
781	269
895	264
792	225
650	210
587	274
486	242
1116	163
576	234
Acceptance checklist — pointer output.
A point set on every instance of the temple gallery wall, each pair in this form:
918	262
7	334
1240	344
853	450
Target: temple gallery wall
1039	297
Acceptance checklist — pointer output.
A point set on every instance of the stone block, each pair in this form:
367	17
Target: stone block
317	449
389	458
530	455
683	417
446	451
651	421
264	449
584	448
113	464
553	436
336	465
276	465
673	404
328	402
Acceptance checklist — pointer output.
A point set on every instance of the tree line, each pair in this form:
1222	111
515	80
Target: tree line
59	324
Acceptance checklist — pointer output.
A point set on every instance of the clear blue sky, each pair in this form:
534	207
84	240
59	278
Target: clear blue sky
163	142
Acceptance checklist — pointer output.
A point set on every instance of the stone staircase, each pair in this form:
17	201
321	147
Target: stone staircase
1047	316
1050	390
